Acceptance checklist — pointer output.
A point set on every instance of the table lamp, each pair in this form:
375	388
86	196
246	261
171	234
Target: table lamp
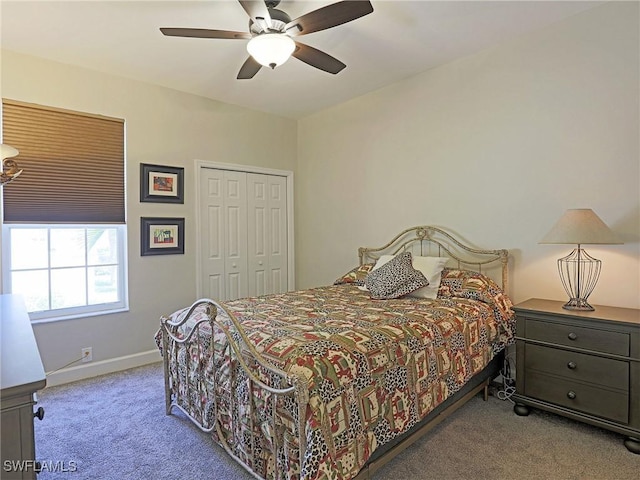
579	271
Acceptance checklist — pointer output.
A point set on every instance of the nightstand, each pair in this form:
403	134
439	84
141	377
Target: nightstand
582	365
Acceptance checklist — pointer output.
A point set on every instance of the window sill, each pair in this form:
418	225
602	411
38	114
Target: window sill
79	315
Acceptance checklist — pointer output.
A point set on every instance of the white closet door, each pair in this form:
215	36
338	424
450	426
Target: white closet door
212	249
235	218
267	234
258	239
224	234
278	254
244	234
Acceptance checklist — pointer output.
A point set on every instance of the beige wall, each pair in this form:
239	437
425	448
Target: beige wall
165	127
495	146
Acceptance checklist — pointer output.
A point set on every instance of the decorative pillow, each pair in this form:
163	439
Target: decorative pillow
477	286
356	275
431	267
395	278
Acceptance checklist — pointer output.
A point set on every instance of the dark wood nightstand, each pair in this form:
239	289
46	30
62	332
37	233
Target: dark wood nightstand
582	365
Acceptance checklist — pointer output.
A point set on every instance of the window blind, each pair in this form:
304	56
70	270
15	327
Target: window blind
73	165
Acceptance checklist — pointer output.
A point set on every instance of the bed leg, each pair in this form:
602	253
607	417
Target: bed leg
485	392
165	361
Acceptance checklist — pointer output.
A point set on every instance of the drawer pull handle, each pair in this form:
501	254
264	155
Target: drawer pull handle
39	413
571	394
572	336
572	365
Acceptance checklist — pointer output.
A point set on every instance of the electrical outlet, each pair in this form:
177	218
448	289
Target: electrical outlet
87	354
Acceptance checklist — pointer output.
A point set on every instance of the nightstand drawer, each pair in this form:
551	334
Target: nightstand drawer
608	404
603	341
578	366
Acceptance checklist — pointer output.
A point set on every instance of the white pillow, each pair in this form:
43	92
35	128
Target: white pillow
431	267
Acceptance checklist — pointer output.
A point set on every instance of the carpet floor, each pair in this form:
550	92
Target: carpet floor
114	428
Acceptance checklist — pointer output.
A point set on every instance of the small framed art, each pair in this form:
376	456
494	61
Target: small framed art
161	184
161	236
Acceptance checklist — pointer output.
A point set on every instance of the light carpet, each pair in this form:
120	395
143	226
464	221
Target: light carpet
114	427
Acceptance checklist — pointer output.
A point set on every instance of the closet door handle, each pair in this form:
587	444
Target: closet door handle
234	265
260	262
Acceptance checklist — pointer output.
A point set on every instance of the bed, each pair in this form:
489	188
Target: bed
329	382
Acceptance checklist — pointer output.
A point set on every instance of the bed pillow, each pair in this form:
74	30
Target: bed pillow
395	278
431	267
477	286
356	275
469	284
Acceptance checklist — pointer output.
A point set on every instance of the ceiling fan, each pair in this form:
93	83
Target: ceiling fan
271	31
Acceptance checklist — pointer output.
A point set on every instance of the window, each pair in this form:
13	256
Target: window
66	270
64	232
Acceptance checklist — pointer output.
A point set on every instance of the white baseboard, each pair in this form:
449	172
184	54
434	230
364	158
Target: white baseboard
102	367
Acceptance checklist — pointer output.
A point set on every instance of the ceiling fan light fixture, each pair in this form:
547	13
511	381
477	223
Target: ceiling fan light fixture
271	49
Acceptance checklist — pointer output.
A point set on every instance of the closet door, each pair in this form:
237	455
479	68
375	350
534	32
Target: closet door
267	234
212	249
278	247
235	218
223	218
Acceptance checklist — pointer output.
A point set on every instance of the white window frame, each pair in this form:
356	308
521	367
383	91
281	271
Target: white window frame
72	312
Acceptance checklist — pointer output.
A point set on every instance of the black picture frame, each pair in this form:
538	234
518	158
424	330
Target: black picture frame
161	183
161	236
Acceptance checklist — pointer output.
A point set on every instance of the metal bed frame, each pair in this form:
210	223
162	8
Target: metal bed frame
421	240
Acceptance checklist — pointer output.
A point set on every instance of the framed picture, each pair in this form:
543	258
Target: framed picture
161	184
161	236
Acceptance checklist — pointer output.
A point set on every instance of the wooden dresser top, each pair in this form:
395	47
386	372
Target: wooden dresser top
20	364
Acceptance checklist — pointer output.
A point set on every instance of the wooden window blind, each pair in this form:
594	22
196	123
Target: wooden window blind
73	166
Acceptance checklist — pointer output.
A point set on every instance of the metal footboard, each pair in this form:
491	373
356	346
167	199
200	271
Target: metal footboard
196	394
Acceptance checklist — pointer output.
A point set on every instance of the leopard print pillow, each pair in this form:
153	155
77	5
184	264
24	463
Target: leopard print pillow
395	278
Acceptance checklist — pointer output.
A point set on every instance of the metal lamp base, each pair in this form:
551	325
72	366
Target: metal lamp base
579	304
579	273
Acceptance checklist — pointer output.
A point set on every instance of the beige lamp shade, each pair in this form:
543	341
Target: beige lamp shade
581	226
7	151
10	169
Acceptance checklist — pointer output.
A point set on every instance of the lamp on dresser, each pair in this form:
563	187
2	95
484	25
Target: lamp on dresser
579	271
10	169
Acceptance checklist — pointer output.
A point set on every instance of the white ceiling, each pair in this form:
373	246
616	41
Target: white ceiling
399	39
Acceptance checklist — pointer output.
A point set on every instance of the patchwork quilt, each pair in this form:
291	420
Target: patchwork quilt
374	369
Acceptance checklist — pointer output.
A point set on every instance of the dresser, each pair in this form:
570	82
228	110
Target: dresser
582	365
21	375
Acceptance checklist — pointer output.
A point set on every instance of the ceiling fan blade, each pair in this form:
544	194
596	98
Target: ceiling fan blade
249	68
203	33
316	58
329	16
258	11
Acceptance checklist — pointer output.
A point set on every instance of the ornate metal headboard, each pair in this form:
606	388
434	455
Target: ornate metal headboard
433	241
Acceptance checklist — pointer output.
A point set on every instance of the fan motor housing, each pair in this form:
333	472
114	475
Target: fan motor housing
278	21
